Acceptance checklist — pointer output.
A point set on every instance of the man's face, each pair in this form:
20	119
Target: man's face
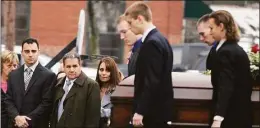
72	68
134	24
30	53
215	30
204	33
125	33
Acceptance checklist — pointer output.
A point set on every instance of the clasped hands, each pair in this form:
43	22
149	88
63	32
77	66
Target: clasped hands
20	121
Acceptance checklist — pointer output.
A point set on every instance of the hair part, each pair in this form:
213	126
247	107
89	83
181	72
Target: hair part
7	57
224	17
30	41
139	8
120	19
71	56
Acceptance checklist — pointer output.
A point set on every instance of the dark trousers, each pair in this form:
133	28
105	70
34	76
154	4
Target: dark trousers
103	122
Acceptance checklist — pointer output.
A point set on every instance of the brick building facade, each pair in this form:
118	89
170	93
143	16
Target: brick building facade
55	23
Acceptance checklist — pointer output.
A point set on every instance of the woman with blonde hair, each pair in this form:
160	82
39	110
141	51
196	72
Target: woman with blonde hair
9	62
108	77
230	75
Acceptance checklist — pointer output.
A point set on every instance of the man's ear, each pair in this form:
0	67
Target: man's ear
221	25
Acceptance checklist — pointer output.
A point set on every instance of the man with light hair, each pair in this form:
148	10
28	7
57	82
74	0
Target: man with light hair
153	93
131	40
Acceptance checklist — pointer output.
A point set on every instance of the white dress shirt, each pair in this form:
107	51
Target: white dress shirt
147	32
221	42
33	67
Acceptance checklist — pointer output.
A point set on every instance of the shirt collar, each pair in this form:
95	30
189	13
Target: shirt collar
72	81
147	32
71	84
221	42
33	67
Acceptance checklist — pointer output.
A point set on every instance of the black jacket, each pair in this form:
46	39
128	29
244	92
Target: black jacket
232	85
36	101
153	93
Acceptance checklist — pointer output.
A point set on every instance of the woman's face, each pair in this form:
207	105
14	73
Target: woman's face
103	73
8	67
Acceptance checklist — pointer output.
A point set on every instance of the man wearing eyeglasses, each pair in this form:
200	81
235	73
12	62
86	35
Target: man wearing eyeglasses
132	41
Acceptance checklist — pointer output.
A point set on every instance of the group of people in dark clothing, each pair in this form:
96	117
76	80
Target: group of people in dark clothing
34	97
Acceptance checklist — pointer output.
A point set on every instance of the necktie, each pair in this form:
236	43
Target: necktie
27	77
66	90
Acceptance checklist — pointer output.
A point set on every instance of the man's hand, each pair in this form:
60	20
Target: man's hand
216	124
137	120
20	121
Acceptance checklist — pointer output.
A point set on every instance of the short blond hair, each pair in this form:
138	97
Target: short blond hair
121	18
7	57
139	8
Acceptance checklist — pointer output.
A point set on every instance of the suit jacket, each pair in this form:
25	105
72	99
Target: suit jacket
35	102
4	115
133	58
232	85
81	105
153	93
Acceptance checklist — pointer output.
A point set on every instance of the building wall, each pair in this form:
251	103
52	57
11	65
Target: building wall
54	23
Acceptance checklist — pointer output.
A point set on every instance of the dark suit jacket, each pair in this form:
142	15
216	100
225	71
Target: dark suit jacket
232	85
153	93
4	116
35	102
81	105
133	58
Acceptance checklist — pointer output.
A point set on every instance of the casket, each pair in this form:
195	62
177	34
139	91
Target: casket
192	96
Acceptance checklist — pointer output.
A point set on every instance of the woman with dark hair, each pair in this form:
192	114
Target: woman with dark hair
230	75
9	62
108	76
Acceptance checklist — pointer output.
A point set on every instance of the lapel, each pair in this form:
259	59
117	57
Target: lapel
36	74
77	85
20	80
150	34
59	89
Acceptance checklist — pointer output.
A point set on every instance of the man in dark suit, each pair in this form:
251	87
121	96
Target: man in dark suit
131	40
28	98
77	101
230	75
153	94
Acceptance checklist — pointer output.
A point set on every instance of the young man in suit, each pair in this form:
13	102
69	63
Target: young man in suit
230	75
77	98
153	93
28	98
131	40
